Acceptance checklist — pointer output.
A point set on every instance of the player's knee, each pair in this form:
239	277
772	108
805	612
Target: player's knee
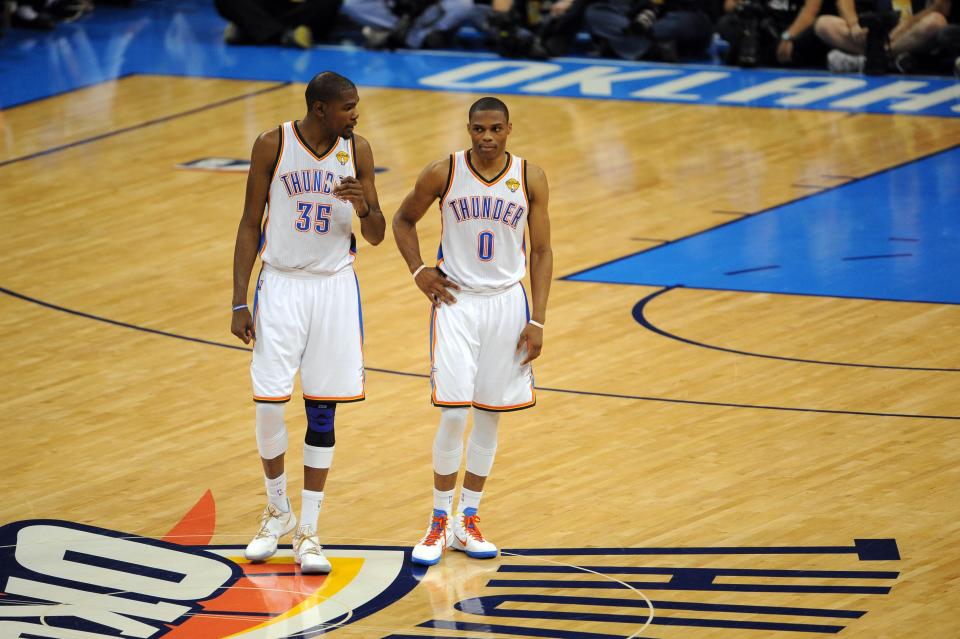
319	439
485	425
448	443
453	422
320	416
271	431
482	447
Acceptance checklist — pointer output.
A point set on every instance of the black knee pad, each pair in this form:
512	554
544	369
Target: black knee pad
320	418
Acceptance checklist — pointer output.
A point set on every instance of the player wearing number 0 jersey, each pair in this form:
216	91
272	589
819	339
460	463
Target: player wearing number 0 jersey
307	181
483	335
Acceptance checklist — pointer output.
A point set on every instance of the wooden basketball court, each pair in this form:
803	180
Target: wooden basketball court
127	399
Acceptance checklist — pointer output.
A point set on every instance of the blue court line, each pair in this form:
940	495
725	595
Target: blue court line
691	402
142	125
640	316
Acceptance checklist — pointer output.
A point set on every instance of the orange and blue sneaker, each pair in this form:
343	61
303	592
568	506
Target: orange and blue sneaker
429	550
468	538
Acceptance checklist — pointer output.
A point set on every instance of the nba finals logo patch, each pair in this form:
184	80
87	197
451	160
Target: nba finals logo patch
342	157
513	185
63	580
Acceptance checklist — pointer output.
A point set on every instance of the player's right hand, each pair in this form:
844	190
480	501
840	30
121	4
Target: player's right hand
242	325
434	285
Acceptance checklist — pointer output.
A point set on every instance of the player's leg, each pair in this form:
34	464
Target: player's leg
331	371
481	450
318	446
502	384
275	360
447	454
453	350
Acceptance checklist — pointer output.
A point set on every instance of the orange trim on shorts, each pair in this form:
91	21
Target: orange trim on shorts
451	404
355	398
257	398
532	401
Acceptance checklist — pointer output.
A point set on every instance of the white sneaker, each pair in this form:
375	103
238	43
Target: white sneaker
468	538
308	552
842	62
273	525
428	550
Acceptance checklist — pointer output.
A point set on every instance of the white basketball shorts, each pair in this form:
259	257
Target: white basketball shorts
473	352
313	324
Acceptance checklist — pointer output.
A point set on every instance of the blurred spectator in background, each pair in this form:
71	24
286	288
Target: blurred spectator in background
44	14
925	40
292	23
666	30
861	28
415	24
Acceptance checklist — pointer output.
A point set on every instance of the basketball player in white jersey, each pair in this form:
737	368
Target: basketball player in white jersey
483	335
308	179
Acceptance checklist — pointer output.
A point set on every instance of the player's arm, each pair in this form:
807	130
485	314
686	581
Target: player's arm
362	193
262	161
429	187
541	260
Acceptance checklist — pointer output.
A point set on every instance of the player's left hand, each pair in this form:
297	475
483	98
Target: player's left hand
351	190
532	338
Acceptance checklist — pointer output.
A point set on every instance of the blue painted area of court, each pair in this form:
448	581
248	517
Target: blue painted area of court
892	236
184	38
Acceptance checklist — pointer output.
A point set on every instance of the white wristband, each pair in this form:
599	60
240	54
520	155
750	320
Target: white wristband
535	323
417	272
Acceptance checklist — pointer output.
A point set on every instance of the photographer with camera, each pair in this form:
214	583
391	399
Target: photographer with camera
666	30
772	32
414	24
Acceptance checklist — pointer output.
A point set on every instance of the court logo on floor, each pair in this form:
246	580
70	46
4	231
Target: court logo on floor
65	580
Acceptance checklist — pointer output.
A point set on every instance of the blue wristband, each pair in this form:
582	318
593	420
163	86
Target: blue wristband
239	307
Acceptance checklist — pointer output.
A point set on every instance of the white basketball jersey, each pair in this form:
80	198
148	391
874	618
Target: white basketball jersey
307	229
483	245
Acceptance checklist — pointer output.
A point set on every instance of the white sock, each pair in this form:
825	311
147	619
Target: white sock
443	500
311	501
469	499
277	492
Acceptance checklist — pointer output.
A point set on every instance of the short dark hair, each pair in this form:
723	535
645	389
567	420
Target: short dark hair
327	86
489	104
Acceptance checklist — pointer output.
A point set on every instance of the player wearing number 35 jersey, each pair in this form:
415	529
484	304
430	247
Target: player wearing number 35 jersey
308	180
483	334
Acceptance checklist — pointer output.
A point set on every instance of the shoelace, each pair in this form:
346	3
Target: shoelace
311	550
437	526
267	514
470	525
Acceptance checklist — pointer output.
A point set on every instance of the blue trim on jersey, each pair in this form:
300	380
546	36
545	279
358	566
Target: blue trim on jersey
526	303
433	313
359	306
256	294
353	244
440	252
